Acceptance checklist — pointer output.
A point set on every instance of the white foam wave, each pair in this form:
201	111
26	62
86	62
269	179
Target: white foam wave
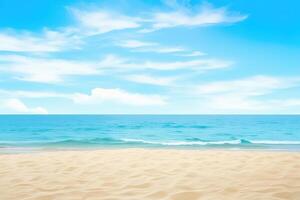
229	142
274	142
178	143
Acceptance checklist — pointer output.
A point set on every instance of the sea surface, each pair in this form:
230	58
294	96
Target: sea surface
31	132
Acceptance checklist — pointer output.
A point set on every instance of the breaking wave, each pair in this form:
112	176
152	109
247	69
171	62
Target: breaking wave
140	142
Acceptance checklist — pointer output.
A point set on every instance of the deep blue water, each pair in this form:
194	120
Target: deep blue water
163	131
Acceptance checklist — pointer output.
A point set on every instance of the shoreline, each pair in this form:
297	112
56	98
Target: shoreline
29	150
132	174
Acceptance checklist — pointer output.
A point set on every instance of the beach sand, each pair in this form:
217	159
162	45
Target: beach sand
138	174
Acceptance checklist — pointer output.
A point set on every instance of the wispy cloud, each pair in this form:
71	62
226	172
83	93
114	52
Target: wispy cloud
47	41
142	46
44	70
251	86
206	15
31	94
245	94
162	49
151	80
17	106
102	21
193	54
39	57
97	96
195	65
52	70
115	62
116	95
92	22
145	46
135	44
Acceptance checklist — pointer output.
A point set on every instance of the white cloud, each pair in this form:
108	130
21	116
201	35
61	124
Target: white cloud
44	70
247	95
146	79
234	103
32	94
48	41
144	46
251	86
97	96
141	46
51	70
18	106
115	62
92	22
197	65
193	54
116	95
135	44
207	15
162	49
292	102
101	21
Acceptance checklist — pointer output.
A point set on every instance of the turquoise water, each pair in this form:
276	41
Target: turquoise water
162	131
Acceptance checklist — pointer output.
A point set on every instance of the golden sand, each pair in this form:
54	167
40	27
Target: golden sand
138	174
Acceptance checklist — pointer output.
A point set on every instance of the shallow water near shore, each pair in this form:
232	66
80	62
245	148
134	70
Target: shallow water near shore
32	132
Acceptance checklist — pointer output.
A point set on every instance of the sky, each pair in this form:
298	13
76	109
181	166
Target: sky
149	57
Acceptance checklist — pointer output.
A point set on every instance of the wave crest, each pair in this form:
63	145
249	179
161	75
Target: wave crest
226	142
134	142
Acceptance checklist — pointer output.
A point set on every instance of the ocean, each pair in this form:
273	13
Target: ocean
34	132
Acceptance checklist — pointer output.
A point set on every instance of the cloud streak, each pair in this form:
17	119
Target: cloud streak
103	21
93	22
115	62
251	86
48	41
151	80
52	70
141	46
116	95
16	105
31	94
207	15
44	70
246	94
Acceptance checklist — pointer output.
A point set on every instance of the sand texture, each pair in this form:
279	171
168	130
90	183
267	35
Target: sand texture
138	174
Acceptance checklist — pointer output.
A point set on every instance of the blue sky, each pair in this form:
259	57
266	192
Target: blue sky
155	57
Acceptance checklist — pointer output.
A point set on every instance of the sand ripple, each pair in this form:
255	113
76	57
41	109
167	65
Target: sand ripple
136	174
